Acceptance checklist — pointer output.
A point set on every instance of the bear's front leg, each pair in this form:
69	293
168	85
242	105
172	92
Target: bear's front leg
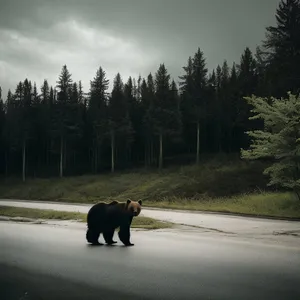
124	234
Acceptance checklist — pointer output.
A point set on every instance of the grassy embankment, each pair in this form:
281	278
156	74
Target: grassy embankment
223	185
139	222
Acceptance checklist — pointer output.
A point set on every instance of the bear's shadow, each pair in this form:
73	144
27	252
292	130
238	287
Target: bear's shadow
110	246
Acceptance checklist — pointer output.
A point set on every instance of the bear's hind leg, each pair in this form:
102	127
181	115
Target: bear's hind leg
92	237
108	236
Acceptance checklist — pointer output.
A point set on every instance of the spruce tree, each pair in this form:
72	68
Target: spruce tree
186	89
97	114
10	130
232	110
20	124
194	98
279	141
119	124
135	114
61	122
2	140
148	102
164	115
45	116
224	107
282	48
45	96
199	106
247	83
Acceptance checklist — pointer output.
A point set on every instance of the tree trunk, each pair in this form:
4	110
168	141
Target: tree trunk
47	152
129	154
61	157
6	163
198	143
74	159
112	138
297	193
151	153
145	155
65	156
95	159
24	161
160	151
91	158
230	139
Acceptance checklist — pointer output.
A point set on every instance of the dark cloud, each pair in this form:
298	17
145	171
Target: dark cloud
128	36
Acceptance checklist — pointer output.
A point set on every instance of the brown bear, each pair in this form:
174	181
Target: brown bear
106	217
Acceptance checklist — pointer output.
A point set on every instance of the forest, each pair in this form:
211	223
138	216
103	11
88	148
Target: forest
151	122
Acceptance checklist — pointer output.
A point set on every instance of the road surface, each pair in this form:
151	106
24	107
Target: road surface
54	262
275	231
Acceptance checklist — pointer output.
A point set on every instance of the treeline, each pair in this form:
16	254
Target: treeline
62	130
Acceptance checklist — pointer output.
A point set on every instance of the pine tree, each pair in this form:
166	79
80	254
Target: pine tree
75	124
2	140
64	85
44	117
61	122
146	134
194	98
247	73
19	124
97	114
2	113
282	47
186	84
120	126
35	96
232	110
139	82
279	141
164	115
147	103
10	130
186	88
45	96
200	98
247	83
224	107
264	88
52	98
81	97
175	108
135	115
161	98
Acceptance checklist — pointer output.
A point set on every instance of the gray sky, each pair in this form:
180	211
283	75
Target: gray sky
128	36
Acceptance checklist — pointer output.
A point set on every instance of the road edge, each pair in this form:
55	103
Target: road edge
232	214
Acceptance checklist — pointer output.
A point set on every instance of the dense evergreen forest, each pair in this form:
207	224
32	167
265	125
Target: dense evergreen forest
153	122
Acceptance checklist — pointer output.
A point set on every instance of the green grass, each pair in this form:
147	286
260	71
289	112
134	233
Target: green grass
282	205
213	179
225	184
32	213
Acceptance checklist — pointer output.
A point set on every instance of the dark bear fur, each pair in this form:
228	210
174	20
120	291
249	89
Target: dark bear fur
105	218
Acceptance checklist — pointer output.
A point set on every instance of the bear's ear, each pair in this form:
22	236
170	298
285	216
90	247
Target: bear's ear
140	202
128	201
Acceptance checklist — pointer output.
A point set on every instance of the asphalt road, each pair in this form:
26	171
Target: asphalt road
54	262
270	230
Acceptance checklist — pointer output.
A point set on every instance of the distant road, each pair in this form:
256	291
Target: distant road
54	262
275	231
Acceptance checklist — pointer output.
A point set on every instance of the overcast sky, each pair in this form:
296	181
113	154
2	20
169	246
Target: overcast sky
37	37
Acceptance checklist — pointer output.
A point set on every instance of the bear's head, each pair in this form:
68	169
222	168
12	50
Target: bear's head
134	207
